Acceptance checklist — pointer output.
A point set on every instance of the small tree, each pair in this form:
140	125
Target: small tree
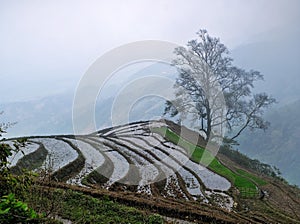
206	76
10	183
6	178
13	210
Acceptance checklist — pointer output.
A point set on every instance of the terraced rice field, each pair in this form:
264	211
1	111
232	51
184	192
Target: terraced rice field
130	158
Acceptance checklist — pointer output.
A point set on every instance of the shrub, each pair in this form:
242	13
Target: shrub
15	211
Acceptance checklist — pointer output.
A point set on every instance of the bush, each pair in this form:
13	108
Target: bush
155	219
15	211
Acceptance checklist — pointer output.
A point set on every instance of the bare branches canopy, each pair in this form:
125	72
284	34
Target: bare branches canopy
206	73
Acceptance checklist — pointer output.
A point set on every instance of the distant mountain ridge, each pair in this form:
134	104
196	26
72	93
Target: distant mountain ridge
280	144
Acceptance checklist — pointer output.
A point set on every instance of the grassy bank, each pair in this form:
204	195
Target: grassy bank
80	208
240	179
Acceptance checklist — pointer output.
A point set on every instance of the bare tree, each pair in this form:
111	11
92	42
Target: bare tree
206	76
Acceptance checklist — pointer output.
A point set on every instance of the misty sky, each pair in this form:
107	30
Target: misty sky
46	46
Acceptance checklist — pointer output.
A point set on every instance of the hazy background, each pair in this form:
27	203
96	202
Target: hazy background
47	46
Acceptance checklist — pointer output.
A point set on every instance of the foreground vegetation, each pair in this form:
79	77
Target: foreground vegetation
49	205
80	208
24	200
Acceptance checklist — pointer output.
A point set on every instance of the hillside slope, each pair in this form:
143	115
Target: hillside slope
146	163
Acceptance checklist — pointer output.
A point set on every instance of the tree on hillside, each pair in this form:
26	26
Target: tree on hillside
206	76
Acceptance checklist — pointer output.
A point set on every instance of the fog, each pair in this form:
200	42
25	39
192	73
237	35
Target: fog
47	46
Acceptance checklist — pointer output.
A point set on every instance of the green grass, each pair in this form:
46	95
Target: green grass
80	208
101	211
237	180
200	155
257	180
